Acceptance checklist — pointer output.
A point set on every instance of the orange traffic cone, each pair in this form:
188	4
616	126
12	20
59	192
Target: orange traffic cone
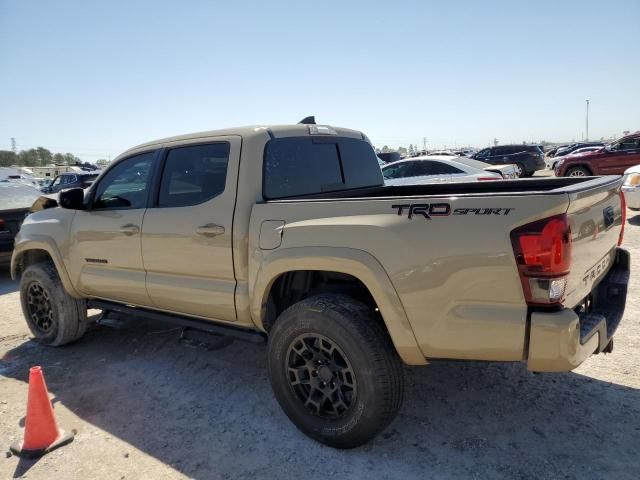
41	433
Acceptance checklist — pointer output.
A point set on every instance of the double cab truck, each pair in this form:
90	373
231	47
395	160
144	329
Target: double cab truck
288	235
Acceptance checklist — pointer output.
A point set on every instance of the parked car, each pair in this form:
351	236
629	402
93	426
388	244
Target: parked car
434	169
527	158
388	157
552	151
575	146
443	153
15	201
464	152
551	162
611	159
70	180
288	235
631	187
20	179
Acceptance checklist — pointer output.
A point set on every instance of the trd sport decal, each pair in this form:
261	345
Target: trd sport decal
428	210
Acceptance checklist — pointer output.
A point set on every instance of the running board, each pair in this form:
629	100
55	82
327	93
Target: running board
247	335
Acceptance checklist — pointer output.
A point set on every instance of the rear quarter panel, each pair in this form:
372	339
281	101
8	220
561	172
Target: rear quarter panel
455	275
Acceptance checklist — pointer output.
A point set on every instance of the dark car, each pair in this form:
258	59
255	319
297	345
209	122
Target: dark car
553	150
527	158
71	180
389	157
611	159
15	201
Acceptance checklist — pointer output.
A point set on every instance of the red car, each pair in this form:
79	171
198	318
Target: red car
612	159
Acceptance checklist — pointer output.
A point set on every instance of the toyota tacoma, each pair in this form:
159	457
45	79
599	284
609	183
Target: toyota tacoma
288	235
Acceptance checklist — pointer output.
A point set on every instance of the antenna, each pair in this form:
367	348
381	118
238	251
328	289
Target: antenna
308	121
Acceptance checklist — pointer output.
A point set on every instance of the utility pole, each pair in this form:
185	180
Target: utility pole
13	145
424	143
587	122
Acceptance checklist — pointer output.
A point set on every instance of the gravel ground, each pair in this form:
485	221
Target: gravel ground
147	406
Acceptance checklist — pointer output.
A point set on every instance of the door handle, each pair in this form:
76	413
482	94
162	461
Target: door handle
210	230
130	229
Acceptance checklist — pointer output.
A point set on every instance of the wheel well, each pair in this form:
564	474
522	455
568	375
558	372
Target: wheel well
581	165
30	257
291	287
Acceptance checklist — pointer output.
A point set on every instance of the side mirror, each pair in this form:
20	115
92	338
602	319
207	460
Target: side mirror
73	199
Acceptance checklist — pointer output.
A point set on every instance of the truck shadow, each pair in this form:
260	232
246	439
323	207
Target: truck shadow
634	219
203	411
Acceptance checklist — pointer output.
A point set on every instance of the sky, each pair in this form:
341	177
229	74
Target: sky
95	78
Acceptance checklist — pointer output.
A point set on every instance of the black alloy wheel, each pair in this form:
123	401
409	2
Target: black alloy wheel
321	376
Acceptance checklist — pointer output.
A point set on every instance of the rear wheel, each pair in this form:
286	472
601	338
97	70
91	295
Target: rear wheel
578	172
519	170
334	370
52	315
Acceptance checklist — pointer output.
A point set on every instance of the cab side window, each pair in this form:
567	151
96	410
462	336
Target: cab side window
193	174
401	170
126	185
439	168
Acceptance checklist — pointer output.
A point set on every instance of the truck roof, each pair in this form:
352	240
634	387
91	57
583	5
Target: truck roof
247	132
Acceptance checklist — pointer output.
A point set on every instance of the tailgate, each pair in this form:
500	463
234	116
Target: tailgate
595	216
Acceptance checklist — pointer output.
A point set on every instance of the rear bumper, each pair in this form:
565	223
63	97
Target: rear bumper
560	341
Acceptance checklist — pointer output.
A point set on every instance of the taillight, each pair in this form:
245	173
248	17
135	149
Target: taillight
484	179
543	254
623	207
4	228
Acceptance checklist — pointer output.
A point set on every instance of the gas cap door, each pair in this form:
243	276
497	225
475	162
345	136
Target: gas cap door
271	234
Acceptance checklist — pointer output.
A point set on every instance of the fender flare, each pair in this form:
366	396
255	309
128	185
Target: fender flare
357	263
43	242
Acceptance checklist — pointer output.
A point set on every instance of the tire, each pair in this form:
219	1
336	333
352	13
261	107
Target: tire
577	172
368	386
53	316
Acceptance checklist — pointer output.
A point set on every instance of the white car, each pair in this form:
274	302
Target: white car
443	169
631	187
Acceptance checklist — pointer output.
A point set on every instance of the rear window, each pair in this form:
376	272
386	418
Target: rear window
308	165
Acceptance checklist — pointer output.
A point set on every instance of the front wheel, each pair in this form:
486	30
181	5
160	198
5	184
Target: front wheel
53	316
577	172
334	370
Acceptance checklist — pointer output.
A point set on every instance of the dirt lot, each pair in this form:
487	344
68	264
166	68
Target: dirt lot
146	406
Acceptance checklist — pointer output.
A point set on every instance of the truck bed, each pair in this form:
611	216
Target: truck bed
530	186
448	250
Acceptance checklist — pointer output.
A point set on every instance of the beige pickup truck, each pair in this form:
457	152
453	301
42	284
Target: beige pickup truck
287	234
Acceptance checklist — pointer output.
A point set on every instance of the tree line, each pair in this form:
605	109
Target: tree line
36	157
